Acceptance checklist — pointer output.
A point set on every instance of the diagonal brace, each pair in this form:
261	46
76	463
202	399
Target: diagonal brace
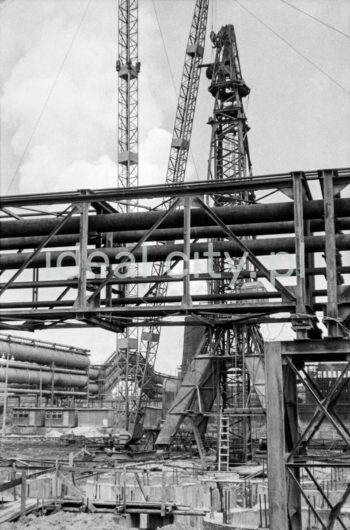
323	406
306	498
39	248
251	256
324	496
144	238
331	399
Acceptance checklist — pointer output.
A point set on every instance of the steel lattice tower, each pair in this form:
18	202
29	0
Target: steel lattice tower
128	68
230	159
177	163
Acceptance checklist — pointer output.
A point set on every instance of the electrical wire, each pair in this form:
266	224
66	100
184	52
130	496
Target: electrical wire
316	19
50	93
164	47
293	48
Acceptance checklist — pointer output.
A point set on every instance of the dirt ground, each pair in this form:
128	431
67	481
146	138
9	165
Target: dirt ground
75	521
67	521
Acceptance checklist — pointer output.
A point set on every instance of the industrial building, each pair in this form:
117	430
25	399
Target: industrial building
251	432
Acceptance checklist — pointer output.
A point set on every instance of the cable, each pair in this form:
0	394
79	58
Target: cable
171	75
49	94
293	48
317	19
164	46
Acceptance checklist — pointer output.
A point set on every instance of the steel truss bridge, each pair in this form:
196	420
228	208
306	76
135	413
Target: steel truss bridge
301	226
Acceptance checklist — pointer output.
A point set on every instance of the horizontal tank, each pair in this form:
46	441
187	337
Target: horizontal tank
24	349
24	376
94	372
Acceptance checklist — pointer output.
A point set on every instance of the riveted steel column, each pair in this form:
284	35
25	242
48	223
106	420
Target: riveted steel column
277	488
330	251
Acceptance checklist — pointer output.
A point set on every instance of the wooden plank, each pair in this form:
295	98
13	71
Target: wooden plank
163	504
77	491
145	496
275	437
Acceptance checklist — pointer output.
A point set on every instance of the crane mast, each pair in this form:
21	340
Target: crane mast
187	99
176	169
230	159
125	370
217	371
131	366
128	68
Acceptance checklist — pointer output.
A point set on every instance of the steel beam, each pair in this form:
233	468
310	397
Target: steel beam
240	214
171	234
47	284
332	317
277	489
258	182
245	249
259	247
29	259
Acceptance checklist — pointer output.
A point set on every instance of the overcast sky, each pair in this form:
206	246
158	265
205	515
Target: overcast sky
59	97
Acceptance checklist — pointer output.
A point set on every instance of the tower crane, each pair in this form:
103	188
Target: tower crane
177	164
134	364
219	371
230	158
121	371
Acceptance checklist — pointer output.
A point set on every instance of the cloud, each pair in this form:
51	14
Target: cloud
63	121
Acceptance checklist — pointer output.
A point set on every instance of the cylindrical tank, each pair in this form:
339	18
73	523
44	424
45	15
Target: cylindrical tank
22	349
94	372
24	376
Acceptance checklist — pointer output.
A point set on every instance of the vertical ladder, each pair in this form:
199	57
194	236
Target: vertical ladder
224	443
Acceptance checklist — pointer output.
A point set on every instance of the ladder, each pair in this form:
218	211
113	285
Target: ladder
224	445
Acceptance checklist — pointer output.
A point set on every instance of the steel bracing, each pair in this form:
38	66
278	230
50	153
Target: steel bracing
295	465
123	374
179	151
128	68
229	159
275	219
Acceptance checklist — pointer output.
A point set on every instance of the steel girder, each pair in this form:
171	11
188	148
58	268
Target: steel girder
291	457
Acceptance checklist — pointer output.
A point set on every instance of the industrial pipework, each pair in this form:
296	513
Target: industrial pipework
45	353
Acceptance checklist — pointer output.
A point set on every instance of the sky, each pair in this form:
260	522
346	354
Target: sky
58	89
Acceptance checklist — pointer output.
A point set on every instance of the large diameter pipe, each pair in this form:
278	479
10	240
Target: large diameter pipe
23	376
144	220
171	234
260	247
32	352
28	392
40	368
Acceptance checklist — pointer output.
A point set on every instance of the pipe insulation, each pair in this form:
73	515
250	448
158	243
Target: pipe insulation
144	220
